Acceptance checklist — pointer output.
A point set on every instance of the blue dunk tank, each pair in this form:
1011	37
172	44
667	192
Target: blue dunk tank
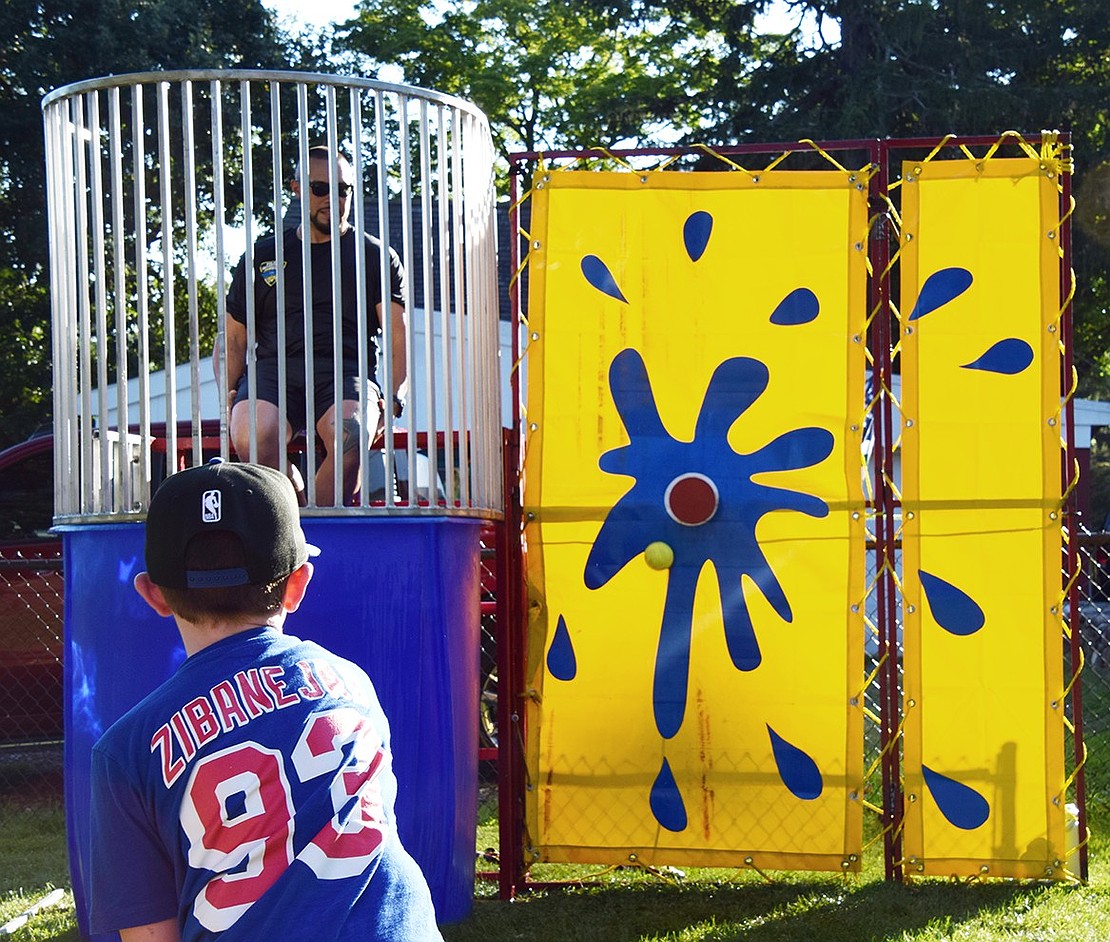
148	216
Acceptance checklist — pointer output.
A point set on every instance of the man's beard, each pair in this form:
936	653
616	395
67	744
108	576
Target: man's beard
320	222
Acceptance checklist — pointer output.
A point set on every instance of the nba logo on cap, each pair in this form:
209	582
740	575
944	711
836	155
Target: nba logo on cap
210	507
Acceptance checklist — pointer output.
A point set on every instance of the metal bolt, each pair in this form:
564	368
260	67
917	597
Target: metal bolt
1052	515
855	428
910	515
984	869
535	335
1052	235
755	179
643	179
1052	328
749	861
857	339
859	246
909	423
913	798
1055	704
911	609
909	330
855	609
855	515
535	245
632	857
530	515
854	701
911	703
533	426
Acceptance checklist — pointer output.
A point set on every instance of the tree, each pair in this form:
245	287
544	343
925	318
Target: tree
48	44
549	73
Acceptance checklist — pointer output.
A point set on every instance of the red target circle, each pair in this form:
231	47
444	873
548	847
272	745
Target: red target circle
691	499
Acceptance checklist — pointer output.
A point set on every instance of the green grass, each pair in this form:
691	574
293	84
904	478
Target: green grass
698	906
32	863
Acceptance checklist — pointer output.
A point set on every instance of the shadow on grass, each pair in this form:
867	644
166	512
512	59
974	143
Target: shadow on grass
831	911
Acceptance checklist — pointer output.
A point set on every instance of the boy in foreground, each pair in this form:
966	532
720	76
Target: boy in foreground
249	797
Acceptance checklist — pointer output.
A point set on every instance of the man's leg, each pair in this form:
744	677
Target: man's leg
270	439
349	452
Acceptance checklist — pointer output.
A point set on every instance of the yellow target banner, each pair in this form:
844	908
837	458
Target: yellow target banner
981	459
695	525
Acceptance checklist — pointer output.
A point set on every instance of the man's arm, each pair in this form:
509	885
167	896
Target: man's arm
165	931
236	361
397	353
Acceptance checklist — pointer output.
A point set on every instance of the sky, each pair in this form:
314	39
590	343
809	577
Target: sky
314	12
322	12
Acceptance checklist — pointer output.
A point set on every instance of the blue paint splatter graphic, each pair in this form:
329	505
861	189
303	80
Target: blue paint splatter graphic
666	800
799	307
560	656
953	609
695	234
940	288
597	274
961	805
799	773
699	498
1008	357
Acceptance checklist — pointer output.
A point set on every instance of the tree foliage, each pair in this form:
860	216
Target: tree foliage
48	44
549	72
570	73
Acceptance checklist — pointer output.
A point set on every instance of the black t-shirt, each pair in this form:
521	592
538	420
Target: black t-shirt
266	296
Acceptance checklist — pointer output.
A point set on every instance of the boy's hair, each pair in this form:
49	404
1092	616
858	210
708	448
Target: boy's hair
222	549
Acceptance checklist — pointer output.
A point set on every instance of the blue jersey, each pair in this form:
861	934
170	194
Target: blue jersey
251	797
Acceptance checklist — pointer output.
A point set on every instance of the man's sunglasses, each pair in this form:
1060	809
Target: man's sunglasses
323	188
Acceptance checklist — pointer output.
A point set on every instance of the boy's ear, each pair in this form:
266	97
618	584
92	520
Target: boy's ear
295	588
152	595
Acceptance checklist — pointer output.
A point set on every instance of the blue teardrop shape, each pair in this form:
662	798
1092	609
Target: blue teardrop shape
961	805
1008	356
666	800
940	288
954	610
799	307
598	275
798	772
696	233
560	656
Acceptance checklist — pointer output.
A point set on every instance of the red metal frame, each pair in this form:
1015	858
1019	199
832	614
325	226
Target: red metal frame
512	598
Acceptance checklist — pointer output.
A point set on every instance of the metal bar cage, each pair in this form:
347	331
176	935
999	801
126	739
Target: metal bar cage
159	182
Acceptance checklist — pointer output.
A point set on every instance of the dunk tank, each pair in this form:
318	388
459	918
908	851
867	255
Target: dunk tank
158	183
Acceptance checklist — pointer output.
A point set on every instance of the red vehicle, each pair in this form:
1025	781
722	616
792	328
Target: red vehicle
30	595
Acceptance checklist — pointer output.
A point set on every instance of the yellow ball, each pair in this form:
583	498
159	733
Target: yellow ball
659	555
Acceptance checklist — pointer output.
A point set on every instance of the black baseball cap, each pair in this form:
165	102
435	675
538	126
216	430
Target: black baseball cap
256	503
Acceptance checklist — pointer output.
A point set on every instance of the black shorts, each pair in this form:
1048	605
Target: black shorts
266	388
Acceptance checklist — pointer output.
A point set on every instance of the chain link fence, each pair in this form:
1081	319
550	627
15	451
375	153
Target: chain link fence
30	679
31	591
